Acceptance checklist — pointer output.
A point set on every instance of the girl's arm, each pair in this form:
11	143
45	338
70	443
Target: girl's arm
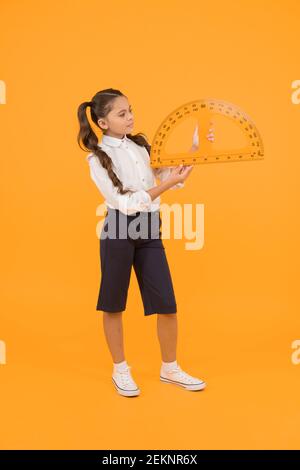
163	173
128	203
178	175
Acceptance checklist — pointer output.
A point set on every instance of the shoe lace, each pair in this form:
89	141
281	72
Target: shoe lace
181	374
125	375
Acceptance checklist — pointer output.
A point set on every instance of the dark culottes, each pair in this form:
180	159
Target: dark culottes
134	240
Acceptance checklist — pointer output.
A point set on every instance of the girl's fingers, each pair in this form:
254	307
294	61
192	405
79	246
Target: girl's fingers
195	137
211	136
188	168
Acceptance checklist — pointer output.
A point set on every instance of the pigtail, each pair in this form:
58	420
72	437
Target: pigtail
89	139
140	139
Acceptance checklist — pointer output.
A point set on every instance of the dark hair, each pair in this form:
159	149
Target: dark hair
101	105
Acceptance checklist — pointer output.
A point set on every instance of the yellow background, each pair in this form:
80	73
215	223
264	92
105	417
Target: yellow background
238	307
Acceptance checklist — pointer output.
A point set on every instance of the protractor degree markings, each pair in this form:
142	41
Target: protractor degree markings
204	110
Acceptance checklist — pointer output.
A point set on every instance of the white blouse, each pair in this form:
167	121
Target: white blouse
131	164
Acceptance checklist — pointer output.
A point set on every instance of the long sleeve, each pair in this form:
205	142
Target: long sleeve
131	202
163	173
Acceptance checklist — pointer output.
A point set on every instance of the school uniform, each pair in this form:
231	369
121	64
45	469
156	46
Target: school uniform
131	233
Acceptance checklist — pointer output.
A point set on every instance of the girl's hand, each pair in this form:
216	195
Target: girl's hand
180	173
210	136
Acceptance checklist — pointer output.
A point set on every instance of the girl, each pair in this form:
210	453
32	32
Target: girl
120	168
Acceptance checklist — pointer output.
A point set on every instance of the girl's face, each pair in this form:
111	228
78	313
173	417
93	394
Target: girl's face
119	120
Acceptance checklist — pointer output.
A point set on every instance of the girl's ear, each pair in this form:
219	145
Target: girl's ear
100	121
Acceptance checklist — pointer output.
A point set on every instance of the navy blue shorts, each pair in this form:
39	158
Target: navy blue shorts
134	240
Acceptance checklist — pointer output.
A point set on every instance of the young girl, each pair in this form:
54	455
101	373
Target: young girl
120	168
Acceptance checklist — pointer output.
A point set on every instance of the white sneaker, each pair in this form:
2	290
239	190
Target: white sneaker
124	383
178	377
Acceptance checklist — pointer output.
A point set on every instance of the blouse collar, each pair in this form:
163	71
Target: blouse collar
115	141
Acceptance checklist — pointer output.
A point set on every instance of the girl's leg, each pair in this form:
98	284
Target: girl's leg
172	373
113	330
167	335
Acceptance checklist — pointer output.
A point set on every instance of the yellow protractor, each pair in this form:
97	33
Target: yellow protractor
204	111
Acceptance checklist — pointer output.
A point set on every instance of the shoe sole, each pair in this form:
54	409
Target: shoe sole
126	393
192	387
